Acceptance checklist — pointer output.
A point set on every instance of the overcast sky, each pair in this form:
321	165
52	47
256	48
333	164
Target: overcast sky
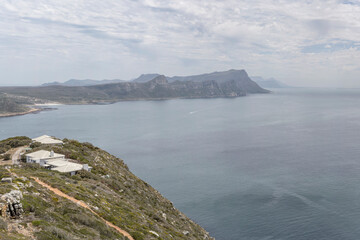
302	43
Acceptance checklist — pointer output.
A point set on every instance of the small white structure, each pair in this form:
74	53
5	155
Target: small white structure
56	162
35	157
67	167
45	139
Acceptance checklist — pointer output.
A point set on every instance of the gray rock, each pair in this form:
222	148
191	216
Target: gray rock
186	233
154	233
8	180
14	207
12	197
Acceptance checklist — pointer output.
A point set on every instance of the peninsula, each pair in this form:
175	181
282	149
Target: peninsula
232	83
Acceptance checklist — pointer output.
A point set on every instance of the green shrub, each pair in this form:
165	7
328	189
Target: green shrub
137	235
4	149
37	223
35	145
6	157
59	233
16	141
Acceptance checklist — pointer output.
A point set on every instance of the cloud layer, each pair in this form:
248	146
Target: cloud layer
313	43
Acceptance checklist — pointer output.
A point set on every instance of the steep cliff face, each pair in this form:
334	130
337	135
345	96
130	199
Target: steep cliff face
111	191
240	77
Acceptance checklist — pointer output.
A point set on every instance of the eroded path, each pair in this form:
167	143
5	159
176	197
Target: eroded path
82	204
16	156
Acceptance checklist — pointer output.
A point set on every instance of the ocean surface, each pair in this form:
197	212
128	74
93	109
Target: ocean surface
284	165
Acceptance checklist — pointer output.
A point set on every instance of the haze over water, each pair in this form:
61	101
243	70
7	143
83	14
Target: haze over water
274	166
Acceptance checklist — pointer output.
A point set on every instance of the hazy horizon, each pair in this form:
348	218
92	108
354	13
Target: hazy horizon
310	43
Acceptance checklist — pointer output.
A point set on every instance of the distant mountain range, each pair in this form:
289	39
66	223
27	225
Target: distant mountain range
269	83
146	77
89	82
217	76
84	82
232	83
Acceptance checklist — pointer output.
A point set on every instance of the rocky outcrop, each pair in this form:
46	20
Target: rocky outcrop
10	205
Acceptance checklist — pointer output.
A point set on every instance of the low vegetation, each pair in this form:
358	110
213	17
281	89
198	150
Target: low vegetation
110	189
14	142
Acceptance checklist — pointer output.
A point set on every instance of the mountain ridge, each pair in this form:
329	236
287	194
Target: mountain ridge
80	83
217	75
233	83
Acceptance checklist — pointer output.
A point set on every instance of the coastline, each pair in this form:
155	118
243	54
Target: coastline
32	110
38	107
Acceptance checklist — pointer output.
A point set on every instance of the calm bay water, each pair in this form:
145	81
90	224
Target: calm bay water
277	166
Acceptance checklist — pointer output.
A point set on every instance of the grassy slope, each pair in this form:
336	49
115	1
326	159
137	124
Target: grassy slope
114	192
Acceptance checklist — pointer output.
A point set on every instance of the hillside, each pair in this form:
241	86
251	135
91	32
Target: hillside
8	104
110	190
15	105
236	84
146	77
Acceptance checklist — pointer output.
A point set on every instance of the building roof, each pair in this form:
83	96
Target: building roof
57	162
64	166
43	154
45	139
69	167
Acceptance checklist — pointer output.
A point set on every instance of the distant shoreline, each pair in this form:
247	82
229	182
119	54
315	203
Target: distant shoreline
32	110
38	107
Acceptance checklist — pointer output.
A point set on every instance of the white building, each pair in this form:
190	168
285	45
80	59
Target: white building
56	162
45	139
35	157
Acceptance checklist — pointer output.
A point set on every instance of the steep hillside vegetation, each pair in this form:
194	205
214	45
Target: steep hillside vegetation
111	191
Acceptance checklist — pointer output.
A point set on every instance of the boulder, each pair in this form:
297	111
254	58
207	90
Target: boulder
6	179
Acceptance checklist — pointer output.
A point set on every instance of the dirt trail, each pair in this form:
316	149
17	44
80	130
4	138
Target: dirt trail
82	204
16	156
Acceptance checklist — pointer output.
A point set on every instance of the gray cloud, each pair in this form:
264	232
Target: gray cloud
89	30
48	40
320	26
44	21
